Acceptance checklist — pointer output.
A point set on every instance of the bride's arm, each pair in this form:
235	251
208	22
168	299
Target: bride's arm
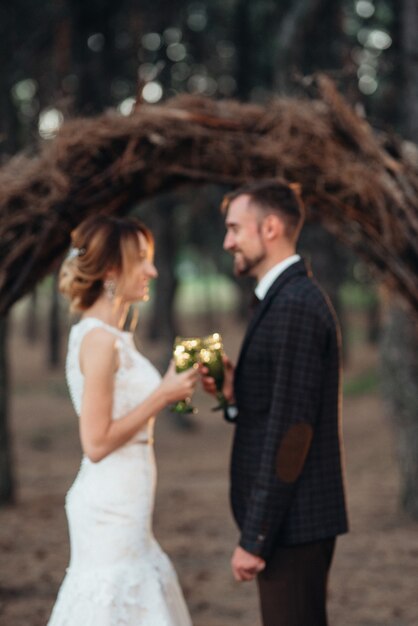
99	434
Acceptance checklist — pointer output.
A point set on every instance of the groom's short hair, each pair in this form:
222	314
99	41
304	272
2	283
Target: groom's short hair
273	196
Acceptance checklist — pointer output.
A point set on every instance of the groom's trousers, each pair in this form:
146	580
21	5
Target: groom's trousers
293	586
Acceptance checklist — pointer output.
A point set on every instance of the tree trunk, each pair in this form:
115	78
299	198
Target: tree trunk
94	67
400	388
409	41
31	321
300	42
54	334
243	40
399	346
290	40
329	261
6	476
163	324
9	144
374	327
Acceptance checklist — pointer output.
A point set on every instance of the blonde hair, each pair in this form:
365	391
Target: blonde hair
99	244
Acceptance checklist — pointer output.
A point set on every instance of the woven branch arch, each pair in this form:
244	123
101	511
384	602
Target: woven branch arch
362	185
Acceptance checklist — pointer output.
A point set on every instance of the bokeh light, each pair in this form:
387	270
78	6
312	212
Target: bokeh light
379	39
172	35
151	41
365	8
176	52
367	84
96	42
197	18
127	106
152	92
24	90
366	70
49	123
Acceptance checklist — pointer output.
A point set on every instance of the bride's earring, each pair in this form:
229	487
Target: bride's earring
110	289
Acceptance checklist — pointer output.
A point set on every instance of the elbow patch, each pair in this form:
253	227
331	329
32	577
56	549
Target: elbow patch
293	451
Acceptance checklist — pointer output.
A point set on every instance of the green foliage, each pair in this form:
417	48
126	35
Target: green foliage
356	296
366	382
198	295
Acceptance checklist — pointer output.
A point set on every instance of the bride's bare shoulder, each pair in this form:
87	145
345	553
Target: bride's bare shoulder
97	349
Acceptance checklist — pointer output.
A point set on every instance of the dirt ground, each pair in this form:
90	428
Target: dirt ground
375	570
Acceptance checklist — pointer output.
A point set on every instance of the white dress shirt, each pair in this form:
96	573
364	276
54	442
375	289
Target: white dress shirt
269	278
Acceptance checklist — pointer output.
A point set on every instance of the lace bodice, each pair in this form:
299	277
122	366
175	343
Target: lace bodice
135	378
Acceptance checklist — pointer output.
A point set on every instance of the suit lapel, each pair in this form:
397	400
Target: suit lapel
297	269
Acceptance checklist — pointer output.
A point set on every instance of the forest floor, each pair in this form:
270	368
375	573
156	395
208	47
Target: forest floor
375	569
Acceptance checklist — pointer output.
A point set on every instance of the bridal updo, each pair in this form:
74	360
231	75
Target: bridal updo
99	244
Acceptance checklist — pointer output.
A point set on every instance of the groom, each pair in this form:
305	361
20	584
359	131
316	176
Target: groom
287	489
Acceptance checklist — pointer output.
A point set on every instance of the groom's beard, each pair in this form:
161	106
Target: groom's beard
244	265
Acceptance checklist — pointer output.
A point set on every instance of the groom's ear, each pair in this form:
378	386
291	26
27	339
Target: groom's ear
273	227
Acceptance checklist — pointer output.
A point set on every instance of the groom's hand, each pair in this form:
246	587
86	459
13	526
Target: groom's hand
208	383
246	566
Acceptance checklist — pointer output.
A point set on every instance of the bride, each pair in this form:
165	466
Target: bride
118	574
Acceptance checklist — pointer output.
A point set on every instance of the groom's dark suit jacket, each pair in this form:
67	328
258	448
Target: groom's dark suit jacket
286	470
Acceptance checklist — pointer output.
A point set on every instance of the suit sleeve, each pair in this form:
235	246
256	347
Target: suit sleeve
298	351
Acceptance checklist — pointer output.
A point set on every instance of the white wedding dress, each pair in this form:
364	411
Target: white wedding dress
118	575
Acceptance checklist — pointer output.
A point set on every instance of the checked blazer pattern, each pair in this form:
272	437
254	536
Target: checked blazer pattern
287	483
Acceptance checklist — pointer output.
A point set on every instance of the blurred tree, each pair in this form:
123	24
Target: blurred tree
7	486
294	49
95	56
54	330
13	32
330	262
309	37
400	337
243	36
161	219
32	317
409	64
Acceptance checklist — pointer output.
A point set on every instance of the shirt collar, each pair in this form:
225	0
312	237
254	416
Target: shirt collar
268	279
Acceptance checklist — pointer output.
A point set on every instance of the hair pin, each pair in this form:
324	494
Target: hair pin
75	252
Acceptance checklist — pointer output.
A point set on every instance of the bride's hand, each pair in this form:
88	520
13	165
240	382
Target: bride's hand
178	386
